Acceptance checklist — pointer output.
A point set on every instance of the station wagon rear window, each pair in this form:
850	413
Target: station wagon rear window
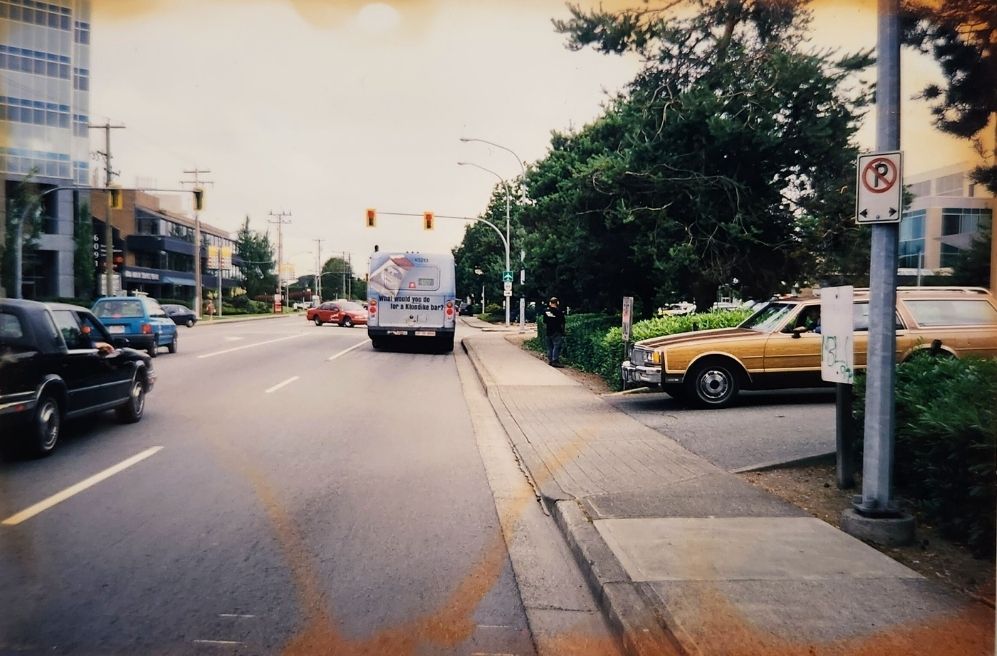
953	312
119	309
10	328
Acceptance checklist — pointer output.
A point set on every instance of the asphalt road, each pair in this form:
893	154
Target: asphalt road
298	493
761	428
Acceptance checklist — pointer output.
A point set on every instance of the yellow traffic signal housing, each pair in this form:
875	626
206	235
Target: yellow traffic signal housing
114	199
427	220
198	199
371	217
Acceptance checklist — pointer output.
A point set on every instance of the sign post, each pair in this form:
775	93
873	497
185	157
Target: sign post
628	306
837	365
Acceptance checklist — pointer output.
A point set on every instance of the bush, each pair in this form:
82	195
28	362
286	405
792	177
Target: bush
594	342
946	438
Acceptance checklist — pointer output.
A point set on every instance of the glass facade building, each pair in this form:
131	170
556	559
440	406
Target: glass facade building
44	113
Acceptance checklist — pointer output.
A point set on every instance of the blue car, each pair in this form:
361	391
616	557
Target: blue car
140	319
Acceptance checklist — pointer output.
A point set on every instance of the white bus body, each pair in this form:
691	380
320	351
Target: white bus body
411	296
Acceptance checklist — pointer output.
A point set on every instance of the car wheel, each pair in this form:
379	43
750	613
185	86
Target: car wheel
47	424
318	322
347	322
190	322
131	411
153	350
173	345
378	343
712	384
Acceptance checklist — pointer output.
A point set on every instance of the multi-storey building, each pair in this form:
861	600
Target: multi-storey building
44	113
154	248
947	213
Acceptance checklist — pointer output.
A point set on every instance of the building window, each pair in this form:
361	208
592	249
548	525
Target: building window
919	189
24	162
36	13
81	79
36	62
967	221
912	239
81	32
21	110
949	185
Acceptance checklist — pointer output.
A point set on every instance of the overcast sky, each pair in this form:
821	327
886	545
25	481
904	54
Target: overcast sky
323	108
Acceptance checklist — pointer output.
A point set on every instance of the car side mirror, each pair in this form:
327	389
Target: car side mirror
799	330
120	342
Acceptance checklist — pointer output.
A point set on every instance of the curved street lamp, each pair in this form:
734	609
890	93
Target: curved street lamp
506	239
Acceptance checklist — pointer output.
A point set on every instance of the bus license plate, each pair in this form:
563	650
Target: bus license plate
425	333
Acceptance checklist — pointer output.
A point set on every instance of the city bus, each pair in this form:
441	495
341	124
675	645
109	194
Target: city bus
412	297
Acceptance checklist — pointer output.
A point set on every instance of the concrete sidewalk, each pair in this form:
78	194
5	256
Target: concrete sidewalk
688	559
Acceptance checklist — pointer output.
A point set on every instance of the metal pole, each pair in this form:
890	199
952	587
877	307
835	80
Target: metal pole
845	436
507	265
877	472
18	252
108	232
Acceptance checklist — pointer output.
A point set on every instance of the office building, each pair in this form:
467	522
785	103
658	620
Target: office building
948	211
44	113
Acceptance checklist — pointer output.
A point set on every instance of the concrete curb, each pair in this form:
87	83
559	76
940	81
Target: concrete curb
636	621
543	479
638	625
817	459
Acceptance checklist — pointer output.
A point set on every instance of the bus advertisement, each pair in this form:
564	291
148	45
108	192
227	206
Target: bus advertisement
411	296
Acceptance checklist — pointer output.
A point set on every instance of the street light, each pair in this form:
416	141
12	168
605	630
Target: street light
479	272
506	239
522	167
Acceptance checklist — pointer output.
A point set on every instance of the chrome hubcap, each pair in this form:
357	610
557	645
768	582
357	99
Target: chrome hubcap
48	419
138	397
714	384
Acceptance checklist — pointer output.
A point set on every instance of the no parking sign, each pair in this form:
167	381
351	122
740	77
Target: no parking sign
879	188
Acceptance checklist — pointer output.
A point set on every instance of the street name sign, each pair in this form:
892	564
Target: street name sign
837	335
879	187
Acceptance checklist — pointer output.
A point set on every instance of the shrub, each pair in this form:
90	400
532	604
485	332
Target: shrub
594	342
946	437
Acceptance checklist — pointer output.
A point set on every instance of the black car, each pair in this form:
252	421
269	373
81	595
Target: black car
181	314
58	362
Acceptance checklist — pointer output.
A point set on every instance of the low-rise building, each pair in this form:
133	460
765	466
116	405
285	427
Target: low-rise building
154	248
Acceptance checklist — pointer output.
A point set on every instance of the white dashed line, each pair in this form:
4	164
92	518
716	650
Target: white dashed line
246	346
345	351
219	643
72	490
279	385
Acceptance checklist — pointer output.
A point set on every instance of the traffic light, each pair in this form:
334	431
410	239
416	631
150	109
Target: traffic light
198	199
114	199
427	220
371	217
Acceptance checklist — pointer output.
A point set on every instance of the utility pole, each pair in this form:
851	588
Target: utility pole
279	220
197	182
349	281
108	232
318	269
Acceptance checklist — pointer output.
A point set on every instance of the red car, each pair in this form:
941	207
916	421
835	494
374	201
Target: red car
344	313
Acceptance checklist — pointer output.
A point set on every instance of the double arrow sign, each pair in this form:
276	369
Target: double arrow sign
880	187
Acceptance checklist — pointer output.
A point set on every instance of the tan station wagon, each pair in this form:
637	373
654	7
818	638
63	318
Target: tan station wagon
779	346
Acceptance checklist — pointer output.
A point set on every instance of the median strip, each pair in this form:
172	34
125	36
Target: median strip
246	346
59	497
279	385
345	351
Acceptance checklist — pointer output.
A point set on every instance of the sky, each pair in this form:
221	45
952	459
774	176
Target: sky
323	108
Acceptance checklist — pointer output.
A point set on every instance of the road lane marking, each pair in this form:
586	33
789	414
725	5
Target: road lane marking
233	338
220	643
254	344
345	351
72	490
279	385
236	616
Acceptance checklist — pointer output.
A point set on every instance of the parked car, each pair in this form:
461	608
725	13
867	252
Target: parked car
344	313
181	314
58	362
779	346
139	318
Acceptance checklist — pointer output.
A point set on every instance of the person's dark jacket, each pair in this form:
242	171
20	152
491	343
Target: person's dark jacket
554	321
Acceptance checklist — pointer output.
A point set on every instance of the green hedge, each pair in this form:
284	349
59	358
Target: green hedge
594	342
946	440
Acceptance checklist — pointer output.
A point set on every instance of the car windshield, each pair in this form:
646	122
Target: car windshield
768	317
352	307
119	309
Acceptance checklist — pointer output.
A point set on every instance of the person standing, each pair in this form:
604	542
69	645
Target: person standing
554	327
